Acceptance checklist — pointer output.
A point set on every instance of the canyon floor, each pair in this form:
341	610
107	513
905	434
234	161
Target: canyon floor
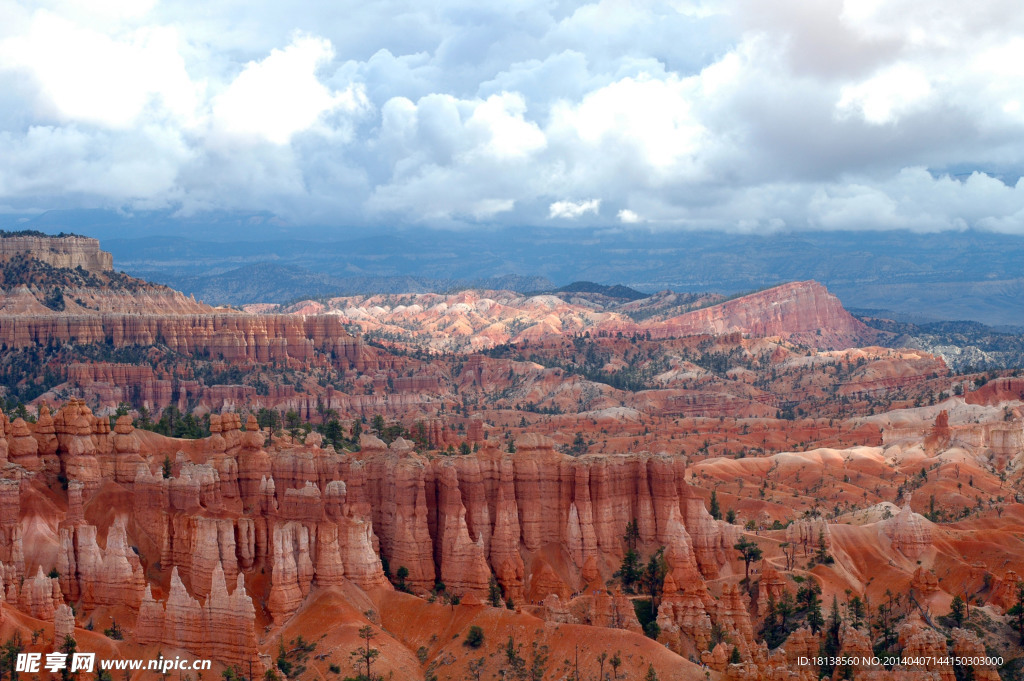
495	485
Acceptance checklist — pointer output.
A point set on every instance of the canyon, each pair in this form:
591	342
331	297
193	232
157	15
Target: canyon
704	488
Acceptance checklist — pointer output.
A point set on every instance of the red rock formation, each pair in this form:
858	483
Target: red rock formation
967	644
801	643
1004	591
806	534
939	437
234	337
12	553
63	624
22	448
253	464
924	645
464	568
113	576
127	448
66	252
732	616
76	444
45	433
223	628
685	625
770	586
40	595
797	310
909	532
291	570
854	643
925	582
997	390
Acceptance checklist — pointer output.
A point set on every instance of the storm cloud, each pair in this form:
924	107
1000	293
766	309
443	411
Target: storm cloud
753	116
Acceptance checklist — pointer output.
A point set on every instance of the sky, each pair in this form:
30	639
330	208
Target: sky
753	116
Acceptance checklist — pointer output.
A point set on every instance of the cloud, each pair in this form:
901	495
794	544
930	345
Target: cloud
279	96
742	115
84	76
886	96
628	217
488	208
571	210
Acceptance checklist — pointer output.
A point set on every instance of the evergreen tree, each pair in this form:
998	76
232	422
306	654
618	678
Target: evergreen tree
814	618
785	609
630	569
1017	611
654	574
822	555
402	575
885	623
515	665
632	535
714	510
616	662
494	592
12	647
538	662
68	647
830	643
770	626
749	552
474	637
956	610
364	655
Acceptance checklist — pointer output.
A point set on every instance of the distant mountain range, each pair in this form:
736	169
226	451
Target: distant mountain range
225	258
274	283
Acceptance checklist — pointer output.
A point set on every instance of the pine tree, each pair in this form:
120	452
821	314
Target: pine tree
365	655
632	535
715	511
68	647
616	662
830	643
402	574
494	592
749	552
654	574
956	610
630	569
1017	611
814	618
514	662
822	555
770	626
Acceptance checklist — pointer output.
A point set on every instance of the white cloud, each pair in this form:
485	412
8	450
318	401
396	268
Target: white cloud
573	209
85	76
488	208
500	121
885	97
651	117
745	116
279	96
